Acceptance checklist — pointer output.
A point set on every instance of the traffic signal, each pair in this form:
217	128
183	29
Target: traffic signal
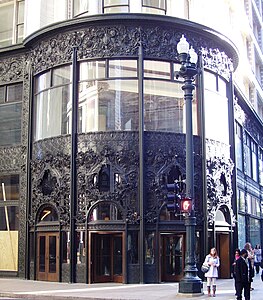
172	197
186	205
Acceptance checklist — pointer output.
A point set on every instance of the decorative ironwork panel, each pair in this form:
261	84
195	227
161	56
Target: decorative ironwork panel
98	41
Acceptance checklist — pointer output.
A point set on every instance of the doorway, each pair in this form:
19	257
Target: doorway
107	257
48	256
172	257
223	247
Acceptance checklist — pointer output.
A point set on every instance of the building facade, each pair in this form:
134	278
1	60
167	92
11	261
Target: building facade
93	132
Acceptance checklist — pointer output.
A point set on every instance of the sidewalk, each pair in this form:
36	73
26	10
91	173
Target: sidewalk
28	289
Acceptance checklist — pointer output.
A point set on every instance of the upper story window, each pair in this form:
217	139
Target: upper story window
239	147
215	98
80	7
154	6
254	154
11	22
115	6
10	113
52	103
247	154
260	162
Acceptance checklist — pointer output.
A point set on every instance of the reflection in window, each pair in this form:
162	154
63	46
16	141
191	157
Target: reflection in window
241	231
132	247
80	7
150	248
10	113
105	211
52	103
122	68
154	6
254	231
81	251
115	6
165	107
11	22
157	69
109	105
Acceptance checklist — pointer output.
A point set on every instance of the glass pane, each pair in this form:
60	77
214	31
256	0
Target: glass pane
165	107
116	9
116	2
14	92
109	105
20	33
122	68
20	13
241	231
80	6
216	125
132	246
10	124
42	254
61	76
150	248
103	256
117	256
6	22
52	254
154	3
2	94
105	212
92	70
173	255
43	82
9	187
157	69
52	112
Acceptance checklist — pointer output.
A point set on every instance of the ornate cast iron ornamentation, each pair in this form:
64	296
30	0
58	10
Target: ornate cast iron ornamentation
219	187
107	41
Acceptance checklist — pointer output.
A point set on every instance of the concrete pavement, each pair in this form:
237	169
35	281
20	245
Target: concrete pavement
28	289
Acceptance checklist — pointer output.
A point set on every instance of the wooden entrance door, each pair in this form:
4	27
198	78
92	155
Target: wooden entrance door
172	257
48	256
107	257
223	252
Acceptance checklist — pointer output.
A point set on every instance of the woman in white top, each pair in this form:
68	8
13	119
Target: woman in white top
213	261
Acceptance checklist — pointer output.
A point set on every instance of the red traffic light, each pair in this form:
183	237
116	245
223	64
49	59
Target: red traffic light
186	205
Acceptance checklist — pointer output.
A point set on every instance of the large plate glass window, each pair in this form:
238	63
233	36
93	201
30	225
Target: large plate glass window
52	103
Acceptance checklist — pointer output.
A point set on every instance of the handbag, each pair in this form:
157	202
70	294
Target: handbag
205	268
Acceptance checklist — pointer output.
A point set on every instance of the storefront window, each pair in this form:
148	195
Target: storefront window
9	222
115	6
154	6
241	231
254	231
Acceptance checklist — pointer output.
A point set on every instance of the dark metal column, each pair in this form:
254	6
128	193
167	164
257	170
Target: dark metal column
141	153
73	167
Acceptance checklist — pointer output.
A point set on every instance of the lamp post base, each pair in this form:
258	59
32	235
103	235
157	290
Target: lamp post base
191	286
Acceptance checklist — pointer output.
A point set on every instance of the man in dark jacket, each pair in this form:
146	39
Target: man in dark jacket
243	275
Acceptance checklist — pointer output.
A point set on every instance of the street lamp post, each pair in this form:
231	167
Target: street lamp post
191	283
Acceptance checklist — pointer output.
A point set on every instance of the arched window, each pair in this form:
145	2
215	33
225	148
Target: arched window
48	214
105	211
